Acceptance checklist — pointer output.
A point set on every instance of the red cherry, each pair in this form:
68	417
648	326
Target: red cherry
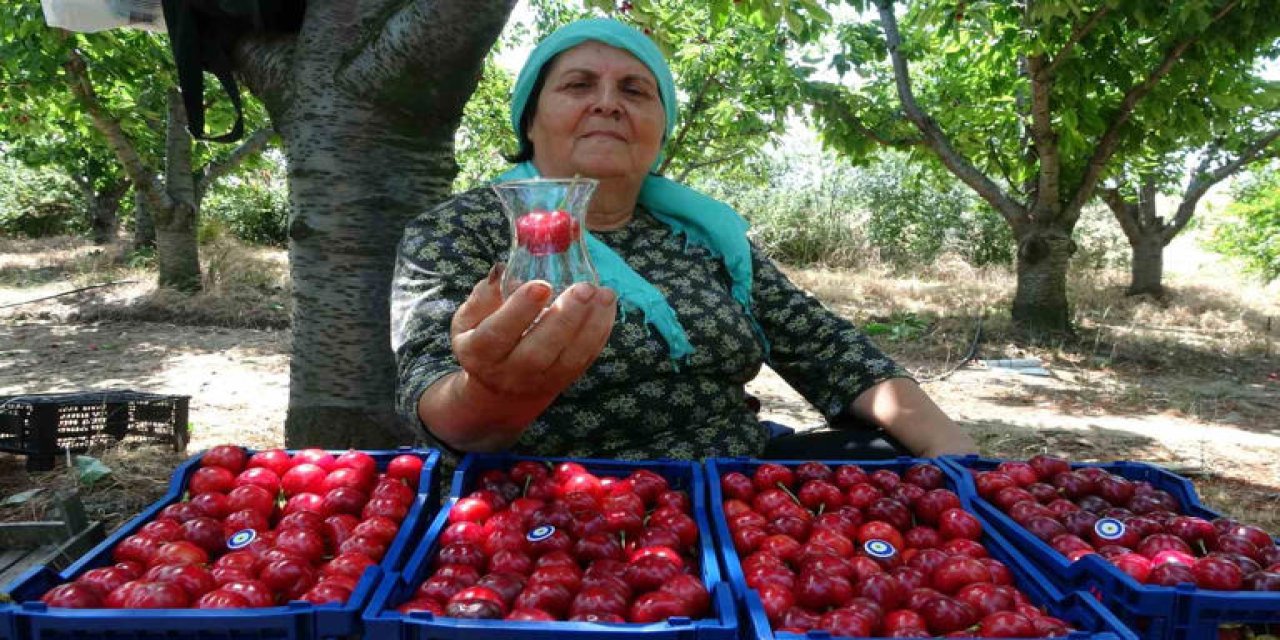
1046	467
229	457
407	469
251	497
276	460
958	523
317	457
476	603
211	480
219	599
925	476
214	505
72	596
1217	573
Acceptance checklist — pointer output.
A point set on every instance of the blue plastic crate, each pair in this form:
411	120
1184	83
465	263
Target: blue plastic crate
29	619
383	622
1078	609
1183	612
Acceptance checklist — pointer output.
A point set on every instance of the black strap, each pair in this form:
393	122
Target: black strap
202	36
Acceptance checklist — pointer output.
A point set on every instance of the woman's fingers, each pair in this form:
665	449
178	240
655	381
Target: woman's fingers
589	340
491	340
485	298
570	326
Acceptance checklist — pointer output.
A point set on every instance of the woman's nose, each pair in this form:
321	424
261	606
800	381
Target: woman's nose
607	102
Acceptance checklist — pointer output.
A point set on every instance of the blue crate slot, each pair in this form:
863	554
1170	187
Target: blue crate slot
1079	610
383	622
1183	612
29	619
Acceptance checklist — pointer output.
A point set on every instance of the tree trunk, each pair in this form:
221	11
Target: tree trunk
367	127
1148	264
177	252
144	225
177	247
1040	303
102	216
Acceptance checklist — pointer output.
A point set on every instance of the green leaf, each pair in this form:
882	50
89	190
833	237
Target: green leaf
89	470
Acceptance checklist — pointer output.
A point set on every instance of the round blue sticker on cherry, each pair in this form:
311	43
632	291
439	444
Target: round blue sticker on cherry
241	539
540	533
877	548
1109	529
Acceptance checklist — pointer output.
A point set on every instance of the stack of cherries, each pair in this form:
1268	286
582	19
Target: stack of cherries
543	543
871	555
257	532
1137	527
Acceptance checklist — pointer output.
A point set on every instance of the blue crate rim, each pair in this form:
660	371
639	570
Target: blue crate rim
381	613
1091	568
339	616
1043	592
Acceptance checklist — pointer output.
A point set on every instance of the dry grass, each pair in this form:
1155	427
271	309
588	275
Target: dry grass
244	286
1205	350
139	476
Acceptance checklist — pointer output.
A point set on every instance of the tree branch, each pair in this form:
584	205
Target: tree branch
1049	183
1126	212
1202	180
143	177
934	137
690	168
214	171
1110	140
429	41
832	100
1077	34
695	107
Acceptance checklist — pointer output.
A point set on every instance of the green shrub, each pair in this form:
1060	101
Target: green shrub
38	202
916	213
254	209
1251	231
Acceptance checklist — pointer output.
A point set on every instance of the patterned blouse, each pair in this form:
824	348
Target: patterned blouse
634	403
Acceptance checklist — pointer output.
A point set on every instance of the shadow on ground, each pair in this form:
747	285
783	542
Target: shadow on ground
46	358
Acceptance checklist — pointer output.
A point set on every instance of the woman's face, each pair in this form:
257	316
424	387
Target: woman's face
599	115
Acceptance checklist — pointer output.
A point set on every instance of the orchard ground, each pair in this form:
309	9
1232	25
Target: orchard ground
1191	381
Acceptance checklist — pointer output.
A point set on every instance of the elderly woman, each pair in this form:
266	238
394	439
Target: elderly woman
701	307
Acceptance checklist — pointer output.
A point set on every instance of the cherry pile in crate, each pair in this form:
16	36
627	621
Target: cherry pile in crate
1137	527
543	543
256	531
871	555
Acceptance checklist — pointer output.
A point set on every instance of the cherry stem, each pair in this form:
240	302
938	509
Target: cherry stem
525	493
788	492
1203	550
821	507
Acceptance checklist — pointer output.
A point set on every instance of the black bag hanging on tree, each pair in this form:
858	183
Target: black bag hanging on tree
202	34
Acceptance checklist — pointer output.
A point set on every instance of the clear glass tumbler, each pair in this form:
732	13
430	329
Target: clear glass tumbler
547	217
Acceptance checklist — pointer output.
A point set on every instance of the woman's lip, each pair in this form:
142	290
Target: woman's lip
608	134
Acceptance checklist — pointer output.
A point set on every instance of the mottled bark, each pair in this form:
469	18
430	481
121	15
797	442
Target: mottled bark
367	114
1040	302
144	224
177	225
1147	271
102	206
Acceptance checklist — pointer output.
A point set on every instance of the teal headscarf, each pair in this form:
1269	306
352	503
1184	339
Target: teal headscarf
703	220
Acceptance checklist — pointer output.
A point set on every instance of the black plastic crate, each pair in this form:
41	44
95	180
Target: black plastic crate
44	426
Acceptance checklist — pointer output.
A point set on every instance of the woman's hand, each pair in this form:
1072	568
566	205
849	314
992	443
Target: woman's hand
515	349
517	356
